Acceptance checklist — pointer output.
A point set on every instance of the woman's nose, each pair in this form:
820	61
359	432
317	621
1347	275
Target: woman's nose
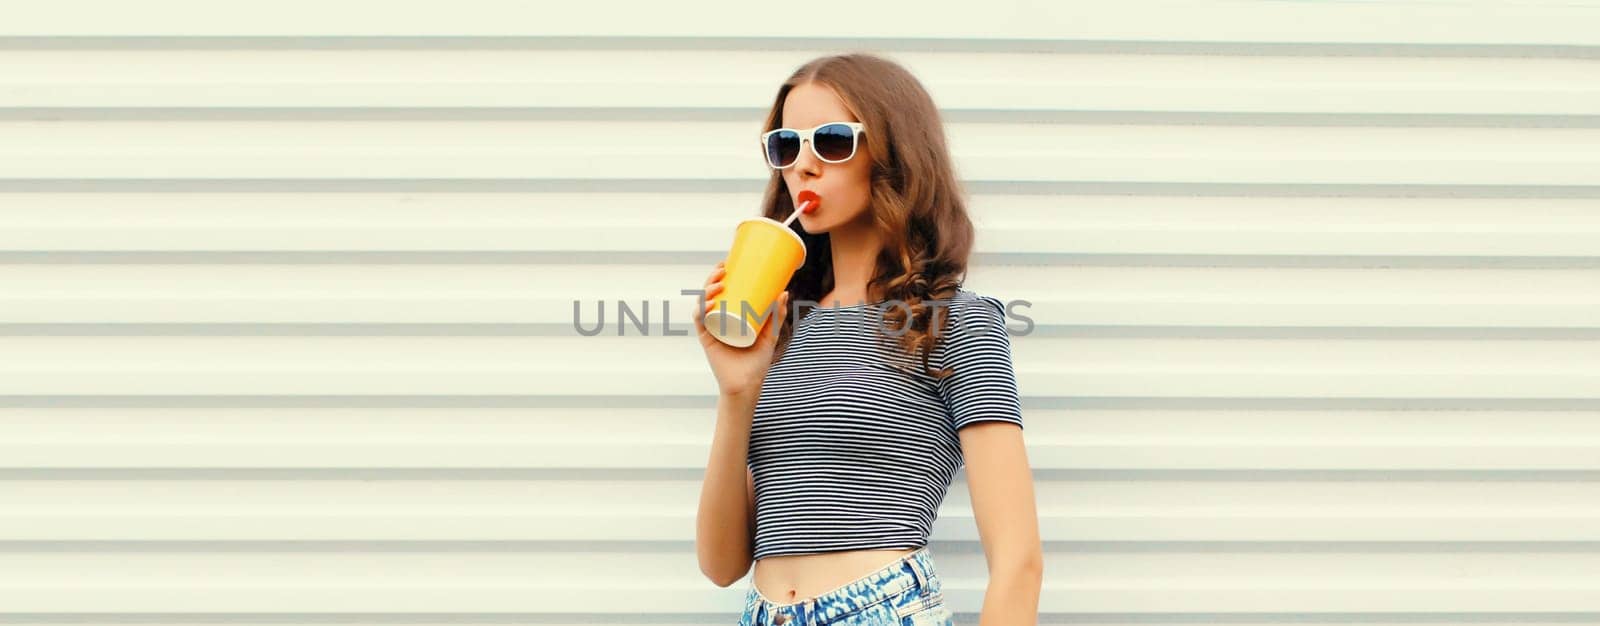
806	162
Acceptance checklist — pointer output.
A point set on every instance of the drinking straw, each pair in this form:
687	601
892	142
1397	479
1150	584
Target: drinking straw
808	203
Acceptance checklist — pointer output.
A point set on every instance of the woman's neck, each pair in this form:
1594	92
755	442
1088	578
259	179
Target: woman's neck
855	259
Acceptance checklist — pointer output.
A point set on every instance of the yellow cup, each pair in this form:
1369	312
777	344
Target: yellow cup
764	256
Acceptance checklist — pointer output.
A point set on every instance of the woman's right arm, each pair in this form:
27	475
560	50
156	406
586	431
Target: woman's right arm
725	524
726	520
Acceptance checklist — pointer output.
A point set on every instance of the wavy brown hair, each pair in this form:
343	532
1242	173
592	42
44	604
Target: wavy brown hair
917	204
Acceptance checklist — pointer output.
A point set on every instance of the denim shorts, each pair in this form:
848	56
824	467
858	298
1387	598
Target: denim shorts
903	593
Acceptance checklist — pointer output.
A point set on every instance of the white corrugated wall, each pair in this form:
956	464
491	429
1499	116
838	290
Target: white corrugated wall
286	302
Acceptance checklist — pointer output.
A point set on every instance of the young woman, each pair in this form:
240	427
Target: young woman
838	433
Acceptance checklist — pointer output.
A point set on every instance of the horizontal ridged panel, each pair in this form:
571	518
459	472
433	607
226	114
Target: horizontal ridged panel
1072	228
286	303
608	366
647	150
567	438
309	82
1476	22
466	579
645	301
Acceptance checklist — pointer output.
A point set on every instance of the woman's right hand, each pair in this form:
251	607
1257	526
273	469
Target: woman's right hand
738	370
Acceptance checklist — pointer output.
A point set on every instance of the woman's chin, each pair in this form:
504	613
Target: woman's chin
813	226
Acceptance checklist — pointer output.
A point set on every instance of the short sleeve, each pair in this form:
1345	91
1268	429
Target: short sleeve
976	345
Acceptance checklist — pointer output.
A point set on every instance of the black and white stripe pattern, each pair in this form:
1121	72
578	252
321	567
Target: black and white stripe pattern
853	446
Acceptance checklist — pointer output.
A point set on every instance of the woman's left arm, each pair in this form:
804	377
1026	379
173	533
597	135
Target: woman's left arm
1001	486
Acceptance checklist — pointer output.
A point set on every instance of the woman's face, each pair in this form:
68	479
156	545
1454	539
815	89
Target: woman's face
845	187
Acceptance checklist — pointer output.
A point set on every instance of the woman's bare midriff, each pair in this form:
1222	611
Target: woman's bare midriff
792	578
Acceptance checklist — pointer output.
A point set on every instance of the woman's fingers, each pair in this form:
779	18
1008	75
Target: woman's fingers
776	325
711	292
710	289
713	284
714	278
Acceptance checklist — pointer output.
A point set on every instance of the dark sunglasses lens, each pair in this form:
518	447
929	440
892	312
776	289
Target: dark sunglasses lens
835	142
783	147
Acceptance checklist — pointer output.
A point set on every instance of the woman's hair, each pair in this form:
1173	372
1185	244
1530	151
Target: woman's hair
916	204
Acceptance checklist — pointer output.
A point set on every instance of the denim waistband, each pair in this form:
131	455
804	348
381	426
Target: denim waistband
911	571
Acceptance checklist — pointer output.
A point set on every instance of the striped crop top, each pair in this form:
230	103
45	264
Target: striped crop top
848	450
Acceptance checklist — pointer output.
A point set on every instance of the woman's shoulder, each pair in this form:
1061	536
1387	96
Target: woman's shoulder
969	303
973	333
971	314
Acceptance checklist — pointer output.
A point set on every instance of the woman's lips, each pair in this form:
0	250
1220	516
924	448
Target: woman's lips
808	201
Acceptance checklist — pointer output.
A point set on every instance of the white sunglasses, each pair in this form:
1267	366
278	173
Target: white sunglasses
833	142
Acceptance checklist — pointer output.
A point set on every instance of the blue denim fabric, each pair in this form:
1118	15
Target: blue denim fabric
906	592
